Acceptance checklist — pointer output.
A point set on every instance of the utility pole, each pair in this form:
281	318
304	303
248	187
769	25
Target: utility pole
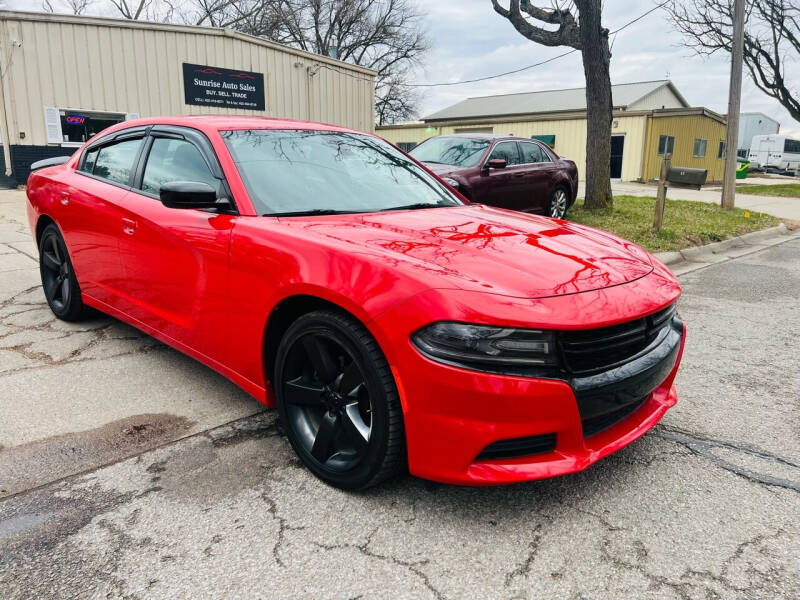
734	105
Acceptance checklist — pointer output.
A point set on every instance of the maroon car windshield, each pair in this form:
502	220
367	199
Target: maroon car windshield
456	151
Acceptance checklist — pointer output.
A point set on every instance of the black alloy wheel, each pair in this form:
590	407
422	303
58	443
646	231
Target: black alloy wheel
60	285
338	401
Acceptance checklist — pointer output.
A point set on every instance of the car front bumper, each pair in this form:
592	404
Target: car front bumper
452	415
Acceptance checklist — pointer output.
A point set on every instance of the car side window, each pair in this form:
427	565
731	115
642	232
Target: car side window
174	160
507	151
533	153
113	161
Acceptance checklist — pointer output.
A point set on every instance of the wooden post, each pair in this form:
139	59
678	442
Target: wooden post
661	197
734	102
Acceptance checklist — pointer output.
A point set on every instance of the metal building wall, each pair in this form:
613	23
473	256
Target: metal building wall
685	129
94	64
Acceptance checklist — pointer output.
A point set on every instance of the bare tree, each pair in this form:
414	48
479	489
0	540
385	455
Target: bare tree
579	26
771	40
384	35
76	7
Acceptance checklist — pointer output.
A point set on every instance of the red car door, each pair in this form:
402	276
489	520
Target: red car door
504	187
540	176
89	213
176	260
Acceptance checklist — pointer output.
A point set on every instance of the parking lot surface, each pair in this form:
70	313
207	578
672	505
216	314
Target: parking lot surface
130	471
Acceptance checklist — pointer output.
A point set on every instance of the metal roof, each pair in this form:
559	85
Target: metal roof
547	101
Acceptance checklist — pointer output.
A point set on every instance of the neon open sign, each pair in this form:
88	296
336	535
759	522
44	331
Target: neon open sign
75	119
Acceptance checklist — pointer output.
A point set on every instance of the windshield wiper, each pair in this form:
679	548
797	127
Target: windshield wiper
312	211
416	206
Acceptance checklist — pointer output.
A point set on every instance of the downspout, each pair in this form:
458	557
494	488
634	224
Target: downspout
3	116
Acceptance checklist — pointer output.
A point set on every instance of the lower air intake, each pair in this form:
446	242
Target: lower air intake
518	447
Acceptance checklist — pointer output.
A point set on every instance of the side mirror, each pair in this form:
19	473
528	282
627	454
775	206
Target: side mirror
497	163
188	194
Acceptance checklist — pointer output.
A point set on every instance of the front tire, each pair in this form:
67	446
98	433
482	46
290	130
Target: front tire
59	283
558	203
338	401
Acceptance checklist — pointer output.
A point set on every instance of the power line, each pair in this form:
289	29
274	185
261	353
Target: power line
538	64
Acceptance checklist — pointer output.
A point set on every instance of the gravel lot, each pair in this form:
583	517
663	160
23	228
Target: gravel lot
130	471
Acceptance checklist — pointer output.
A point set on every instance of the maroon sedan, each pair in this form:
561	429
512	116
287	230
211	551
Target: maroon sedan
504	171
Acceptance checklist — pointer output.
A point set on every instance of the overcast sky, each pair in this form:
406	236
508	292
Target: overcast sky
470	40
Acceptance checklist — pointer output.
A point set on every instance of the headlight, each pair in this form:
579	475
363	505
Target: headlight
450	181
487	348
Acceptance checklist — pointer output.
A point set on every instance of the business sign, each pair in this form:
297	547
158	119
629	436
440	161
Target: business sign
225	88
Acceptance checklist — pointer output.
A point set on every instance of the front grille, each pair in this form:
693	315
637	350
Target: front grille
594	425
593	350
518	447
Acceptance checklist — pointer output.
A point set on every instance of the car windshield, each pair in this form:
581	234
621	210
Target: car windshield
456	151
295	172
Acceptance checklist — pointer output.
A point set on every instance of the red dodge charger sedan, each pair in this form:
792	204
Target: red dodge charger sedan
393	324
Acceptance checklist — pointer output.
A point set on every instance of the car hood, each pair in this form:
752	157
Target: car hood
443	170
486	249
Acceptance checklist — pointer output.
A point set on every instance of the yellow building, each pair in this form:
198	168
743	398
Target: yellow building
648	118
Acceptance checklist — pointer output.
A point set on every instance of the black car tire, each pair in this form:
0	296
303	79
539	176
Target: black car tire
332	381
61	288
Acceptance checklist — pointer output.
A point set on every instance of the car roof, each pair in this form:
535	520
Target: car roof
210	123
486	136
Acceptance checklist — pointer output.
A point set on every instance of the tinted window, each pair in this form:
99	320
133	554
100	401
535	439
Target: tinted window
666	143
533	153
174	160
89	160
699	148
506	150
456	151
792	146
115	161
305	170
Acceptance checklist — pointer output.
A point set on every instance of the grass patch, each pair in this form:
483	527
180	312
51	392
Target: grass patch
685	223
790	190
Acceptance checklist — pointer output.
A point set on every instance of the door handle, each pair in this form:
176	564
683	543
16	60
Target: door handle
128	226
519	174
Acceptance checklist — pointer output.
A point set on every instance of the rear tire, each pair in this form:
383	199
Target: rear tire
338	401
559	203
59	283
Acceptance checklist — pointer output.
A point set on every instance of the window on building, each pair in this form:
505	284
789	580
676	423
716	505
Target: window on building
792	146
666	144
507	151
699	148
113	162
533	153
79	126
406	146
174	160
721	149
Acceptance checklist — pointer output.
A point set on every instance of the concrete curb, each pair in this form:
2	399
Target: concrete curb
698	257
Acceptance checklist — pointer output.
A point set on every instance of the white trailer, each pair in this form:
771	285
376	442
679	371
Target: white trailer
775	153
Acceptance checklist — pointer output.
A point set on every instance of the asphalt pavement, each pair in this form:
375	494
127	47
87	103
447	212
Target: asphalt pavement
130	471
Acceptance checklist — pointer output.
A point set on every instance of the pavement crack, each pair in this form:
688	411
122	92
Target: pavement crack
412	566
704	446
524	568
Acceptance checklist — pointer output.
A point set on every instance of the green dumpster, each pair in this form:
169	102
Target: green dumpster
741	170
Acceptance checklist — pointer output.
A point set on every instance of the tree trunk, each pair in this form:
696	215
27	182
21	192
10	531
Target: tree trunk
598	105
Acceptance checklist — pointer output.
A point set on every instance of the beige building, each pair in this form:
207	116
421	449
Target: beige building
64	78
648	118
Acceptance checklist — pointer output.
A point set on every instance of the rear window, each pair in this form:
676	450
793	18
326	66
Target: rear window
113	162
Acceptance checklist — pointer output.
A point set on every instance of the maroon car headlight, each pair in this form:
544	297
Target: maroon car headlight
488	348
